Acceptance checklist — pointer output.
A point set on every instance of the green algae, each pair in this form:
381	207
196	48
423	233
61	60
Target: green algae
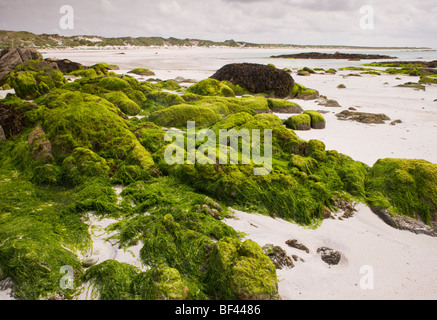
211	87
404	187
35	78
178	116
241	271
299	122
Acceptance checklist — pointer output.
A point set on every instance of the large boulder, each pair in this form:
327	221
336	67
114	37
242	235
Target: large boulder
10	58
257	78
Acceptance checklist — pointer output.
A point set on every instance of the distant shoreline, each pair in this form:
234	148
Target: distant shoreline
54	41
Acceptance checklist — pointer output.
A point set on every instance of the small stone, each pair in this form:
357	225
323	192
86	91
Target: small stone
278	256
341	86
296	244
330	256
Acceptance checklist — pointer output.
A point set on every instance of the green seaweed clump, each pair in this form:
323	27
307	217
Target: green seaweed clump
300	92
211	87
404	187
178	116
241	271
35	78
142	72
299	122
317	120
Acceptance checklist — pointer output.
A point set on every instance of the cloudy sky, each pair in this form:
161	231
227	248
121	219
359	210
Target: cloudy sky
339	22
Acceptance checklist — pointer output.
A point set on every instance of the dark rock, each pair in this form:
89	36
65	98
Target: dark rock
12	120
330	256
396	122
278	256
368	118
406	223
10	58
296	244
329	103
337	55
257	78
341	86
65	65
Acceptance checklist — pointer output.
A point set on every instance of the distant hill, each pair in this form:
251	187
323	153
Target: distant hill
28	39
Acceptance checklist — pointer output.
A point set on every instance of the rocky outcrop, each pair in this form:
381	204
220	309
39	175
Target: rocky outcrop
10	58
337	55
257	78
405	223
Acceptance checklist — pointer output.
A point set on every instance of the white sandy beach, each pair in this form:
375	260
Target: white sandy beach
404	263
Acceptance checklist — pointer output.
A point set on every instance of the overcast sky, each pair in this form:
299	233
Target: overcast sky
396	22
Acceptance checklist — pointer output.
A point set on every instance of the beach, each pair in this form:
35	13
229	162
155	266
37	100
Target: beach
402	263
417	110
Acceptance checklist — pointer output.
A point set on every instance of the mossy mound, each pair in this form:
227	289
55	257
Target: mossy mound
284	106
211	87
317	120
298	91
404	187
241	271
82	164
142	72
178	116
122	101
157	100
35	78
299	122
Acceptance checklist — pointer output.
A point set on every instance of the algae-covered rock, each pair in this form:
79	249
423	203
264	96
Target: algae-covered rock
257	78
178	116
298	91
317	120
121	100
35	78
241	271
87	121
111	280
160	283
12	57
404	187
142	72
299	122
284	106
211	87
84	163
